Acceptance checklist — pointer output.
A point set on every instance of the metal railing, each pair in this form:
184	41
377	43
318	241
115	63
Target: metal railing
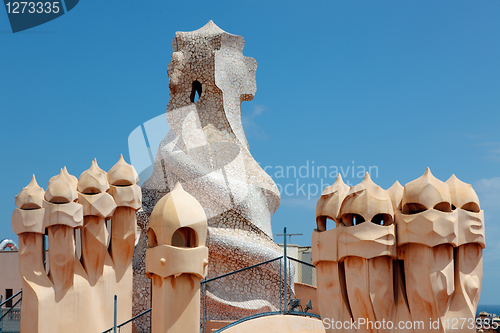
272	287
128	326
10	316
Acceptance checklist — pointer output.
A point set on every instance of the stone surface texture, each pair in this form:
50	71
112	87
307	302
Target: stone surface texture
206	151
411	253
95	216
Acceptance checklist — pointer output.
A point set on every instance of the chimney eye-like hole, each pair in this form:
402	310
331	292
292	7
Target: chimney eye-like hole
184	237
196	91
471	207
152	240
352	219
413	208
59	200
382	219
91	190
443	207
322	223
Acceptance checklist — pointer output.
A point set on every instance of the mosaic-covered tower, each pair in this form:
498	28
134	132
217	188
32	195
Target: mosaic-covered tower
206	151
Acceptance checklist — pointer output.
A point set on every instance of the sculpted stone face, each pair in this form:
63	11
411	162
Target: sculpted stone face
176	261
328	206
421	263
74	295
358	253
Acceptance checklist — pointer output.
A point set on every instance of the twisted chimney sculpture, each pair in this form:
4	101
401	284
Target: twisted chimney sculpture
207	152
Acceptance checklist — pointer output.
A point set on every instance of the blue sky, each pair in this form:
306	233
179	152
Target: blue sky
395	85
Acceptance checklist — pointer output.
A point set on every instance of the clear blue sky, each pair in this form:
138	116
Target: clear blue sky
399	85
